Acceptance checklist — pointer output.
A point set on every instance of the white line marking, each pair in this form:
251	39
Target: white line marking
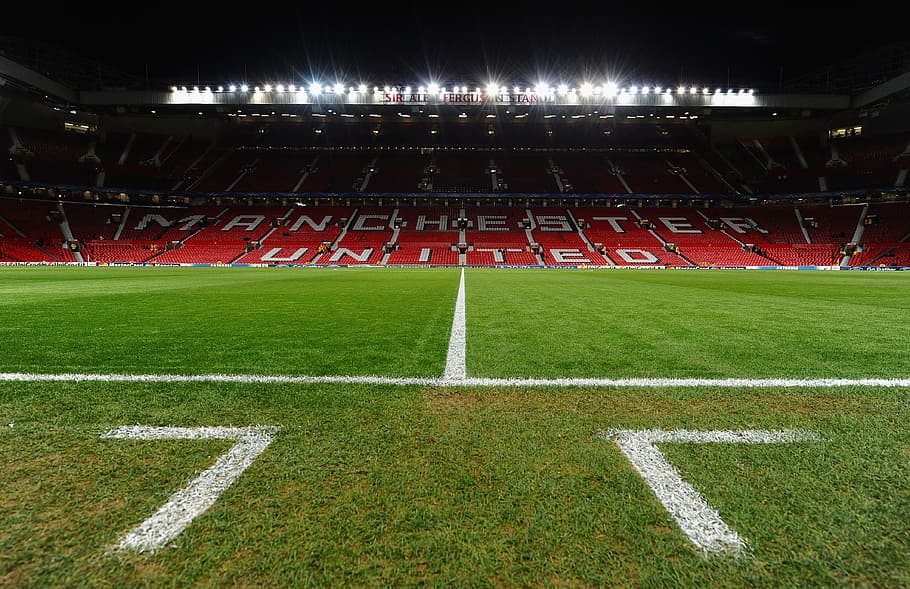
474	382
698	520
193	500
456	369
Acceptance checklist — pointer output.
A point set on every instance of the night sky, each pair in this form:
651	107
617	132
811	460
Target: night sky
744	44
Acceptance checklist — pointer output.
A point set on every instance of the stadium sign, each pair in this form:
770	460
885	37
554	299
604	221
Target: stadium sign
466	98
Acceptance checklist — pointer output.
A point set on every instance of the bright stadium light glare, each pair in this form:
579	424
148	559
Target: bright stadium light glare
195	88
256	89
433	88
173	88
492	88
362	88
183	88
587	89
681	90
658	89
421	90
464	89
633	90
645	90
338	88
563	89
503	89
267	88
517	90
221	88
279	88
315	88
407	89
292	88
706	90
751	91
693	90
717	90
244	88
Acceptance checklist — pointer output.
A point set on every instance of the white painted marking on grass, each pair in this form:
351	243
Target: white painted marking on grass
455	360
193	500
698	520
474	382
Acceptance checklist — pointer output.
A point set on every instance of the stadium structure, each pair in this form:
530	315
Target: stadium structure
101	168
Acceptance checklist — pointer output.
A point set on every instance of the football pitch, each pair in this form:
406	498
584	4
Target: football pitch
487	427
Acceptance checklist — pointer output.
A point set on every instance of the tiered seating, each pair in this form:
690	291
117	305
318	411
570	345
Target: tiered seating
213	239
462	172
886	231
558	237
138	169
145	223
426	228
38	221
363	242
830	224
526	172
650	174
56	157
17	249
93	222
804	254
700	241
896	255
695	172
398	172
588	173
197	170
222	178
814	150
266	171
336	171
425	248
496	236
131	252
779	223
201	253
179	157
300	237
743	162
615	233
722	255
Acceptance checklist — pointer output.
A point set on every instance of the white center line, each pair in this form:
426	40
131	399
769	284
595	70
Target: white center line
455	360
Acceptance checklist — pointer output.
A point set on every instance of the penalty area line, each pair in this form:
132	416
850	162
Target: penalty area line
464	381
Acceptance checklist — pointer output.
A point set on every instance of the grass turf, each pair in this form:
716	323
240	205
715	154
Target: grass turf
403	486
458	486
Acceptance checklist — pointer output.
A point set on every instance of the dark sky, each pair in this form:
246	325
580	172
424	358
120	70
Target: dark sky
743	44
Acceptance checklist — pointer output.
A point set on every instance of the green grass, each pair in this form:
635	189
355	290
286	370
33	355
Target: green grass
453	486
208	320
710	324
